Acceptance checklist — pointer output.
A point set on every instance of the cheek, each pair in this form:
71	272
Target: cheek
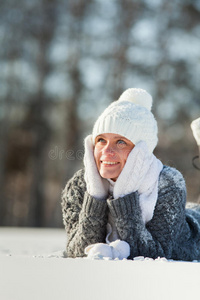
96	155
124	155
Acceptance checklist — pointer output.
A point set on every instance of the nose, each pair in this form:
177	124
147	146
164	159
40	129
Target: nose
108	149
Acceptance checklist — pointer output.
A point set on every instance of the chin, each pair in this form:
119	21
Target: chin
109	176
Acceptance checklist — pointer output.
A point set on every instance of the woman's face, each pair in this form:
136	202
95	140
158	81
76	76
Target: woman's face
110	153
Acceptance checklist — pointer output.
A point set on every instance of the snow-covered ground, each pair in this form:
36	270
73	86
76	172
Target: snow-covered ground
32	267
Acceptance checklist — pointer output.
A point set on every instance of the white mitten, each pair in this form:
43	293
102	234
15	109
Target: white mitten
121	249
96	185
98	251
133	172
140	173
195	125
117	249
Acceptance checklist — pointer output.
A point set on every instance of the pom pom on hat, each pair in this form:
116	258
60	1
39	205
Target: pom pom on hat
131	117
137	96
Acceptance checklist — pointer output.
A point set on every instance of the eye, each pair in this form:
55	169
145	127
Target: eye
100	140
121	142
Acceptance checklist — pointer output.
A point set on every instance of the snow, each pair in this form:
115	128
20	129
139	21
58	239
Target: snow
33	267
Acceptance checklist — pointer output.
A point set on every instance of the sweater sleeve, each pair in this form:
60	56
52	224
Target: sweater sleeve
84	217
158	236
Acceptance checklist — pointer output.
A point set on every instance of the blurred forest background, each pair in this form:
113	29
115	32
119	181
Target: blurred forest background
61	63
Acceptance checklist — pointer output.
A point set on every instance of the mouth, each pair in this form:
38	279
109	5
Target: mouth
109	163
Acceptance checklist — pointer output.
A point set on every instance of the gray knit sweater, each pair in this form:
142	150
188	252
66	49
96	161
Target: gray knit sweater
173	232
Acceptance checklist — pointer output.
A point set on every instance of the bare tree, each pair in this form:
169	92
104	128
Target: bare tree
36	120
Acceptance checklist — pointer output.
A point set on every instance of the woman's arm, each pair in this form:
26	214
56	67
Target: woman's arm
84	217
161	236
143	240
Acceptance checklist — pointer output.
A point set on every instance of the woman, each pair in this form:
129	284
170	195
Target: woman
125	193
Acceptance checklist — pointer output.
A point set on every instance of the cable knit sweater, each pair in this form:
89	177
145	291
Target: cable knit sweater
173	232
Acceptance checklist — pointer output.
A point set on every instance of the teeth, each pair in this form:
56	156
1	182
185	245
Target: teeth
109	162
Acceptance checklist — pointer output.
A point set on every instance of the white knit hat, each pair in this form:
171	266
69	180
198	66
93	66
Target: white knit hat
131	117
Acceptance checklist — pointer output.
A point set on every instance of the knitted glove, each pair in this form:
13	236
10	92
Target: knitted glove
96	185
117	249
195	125
133	172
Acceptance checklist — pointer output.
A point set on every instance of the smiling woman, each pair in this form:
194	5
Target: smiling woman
125	203
110	153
